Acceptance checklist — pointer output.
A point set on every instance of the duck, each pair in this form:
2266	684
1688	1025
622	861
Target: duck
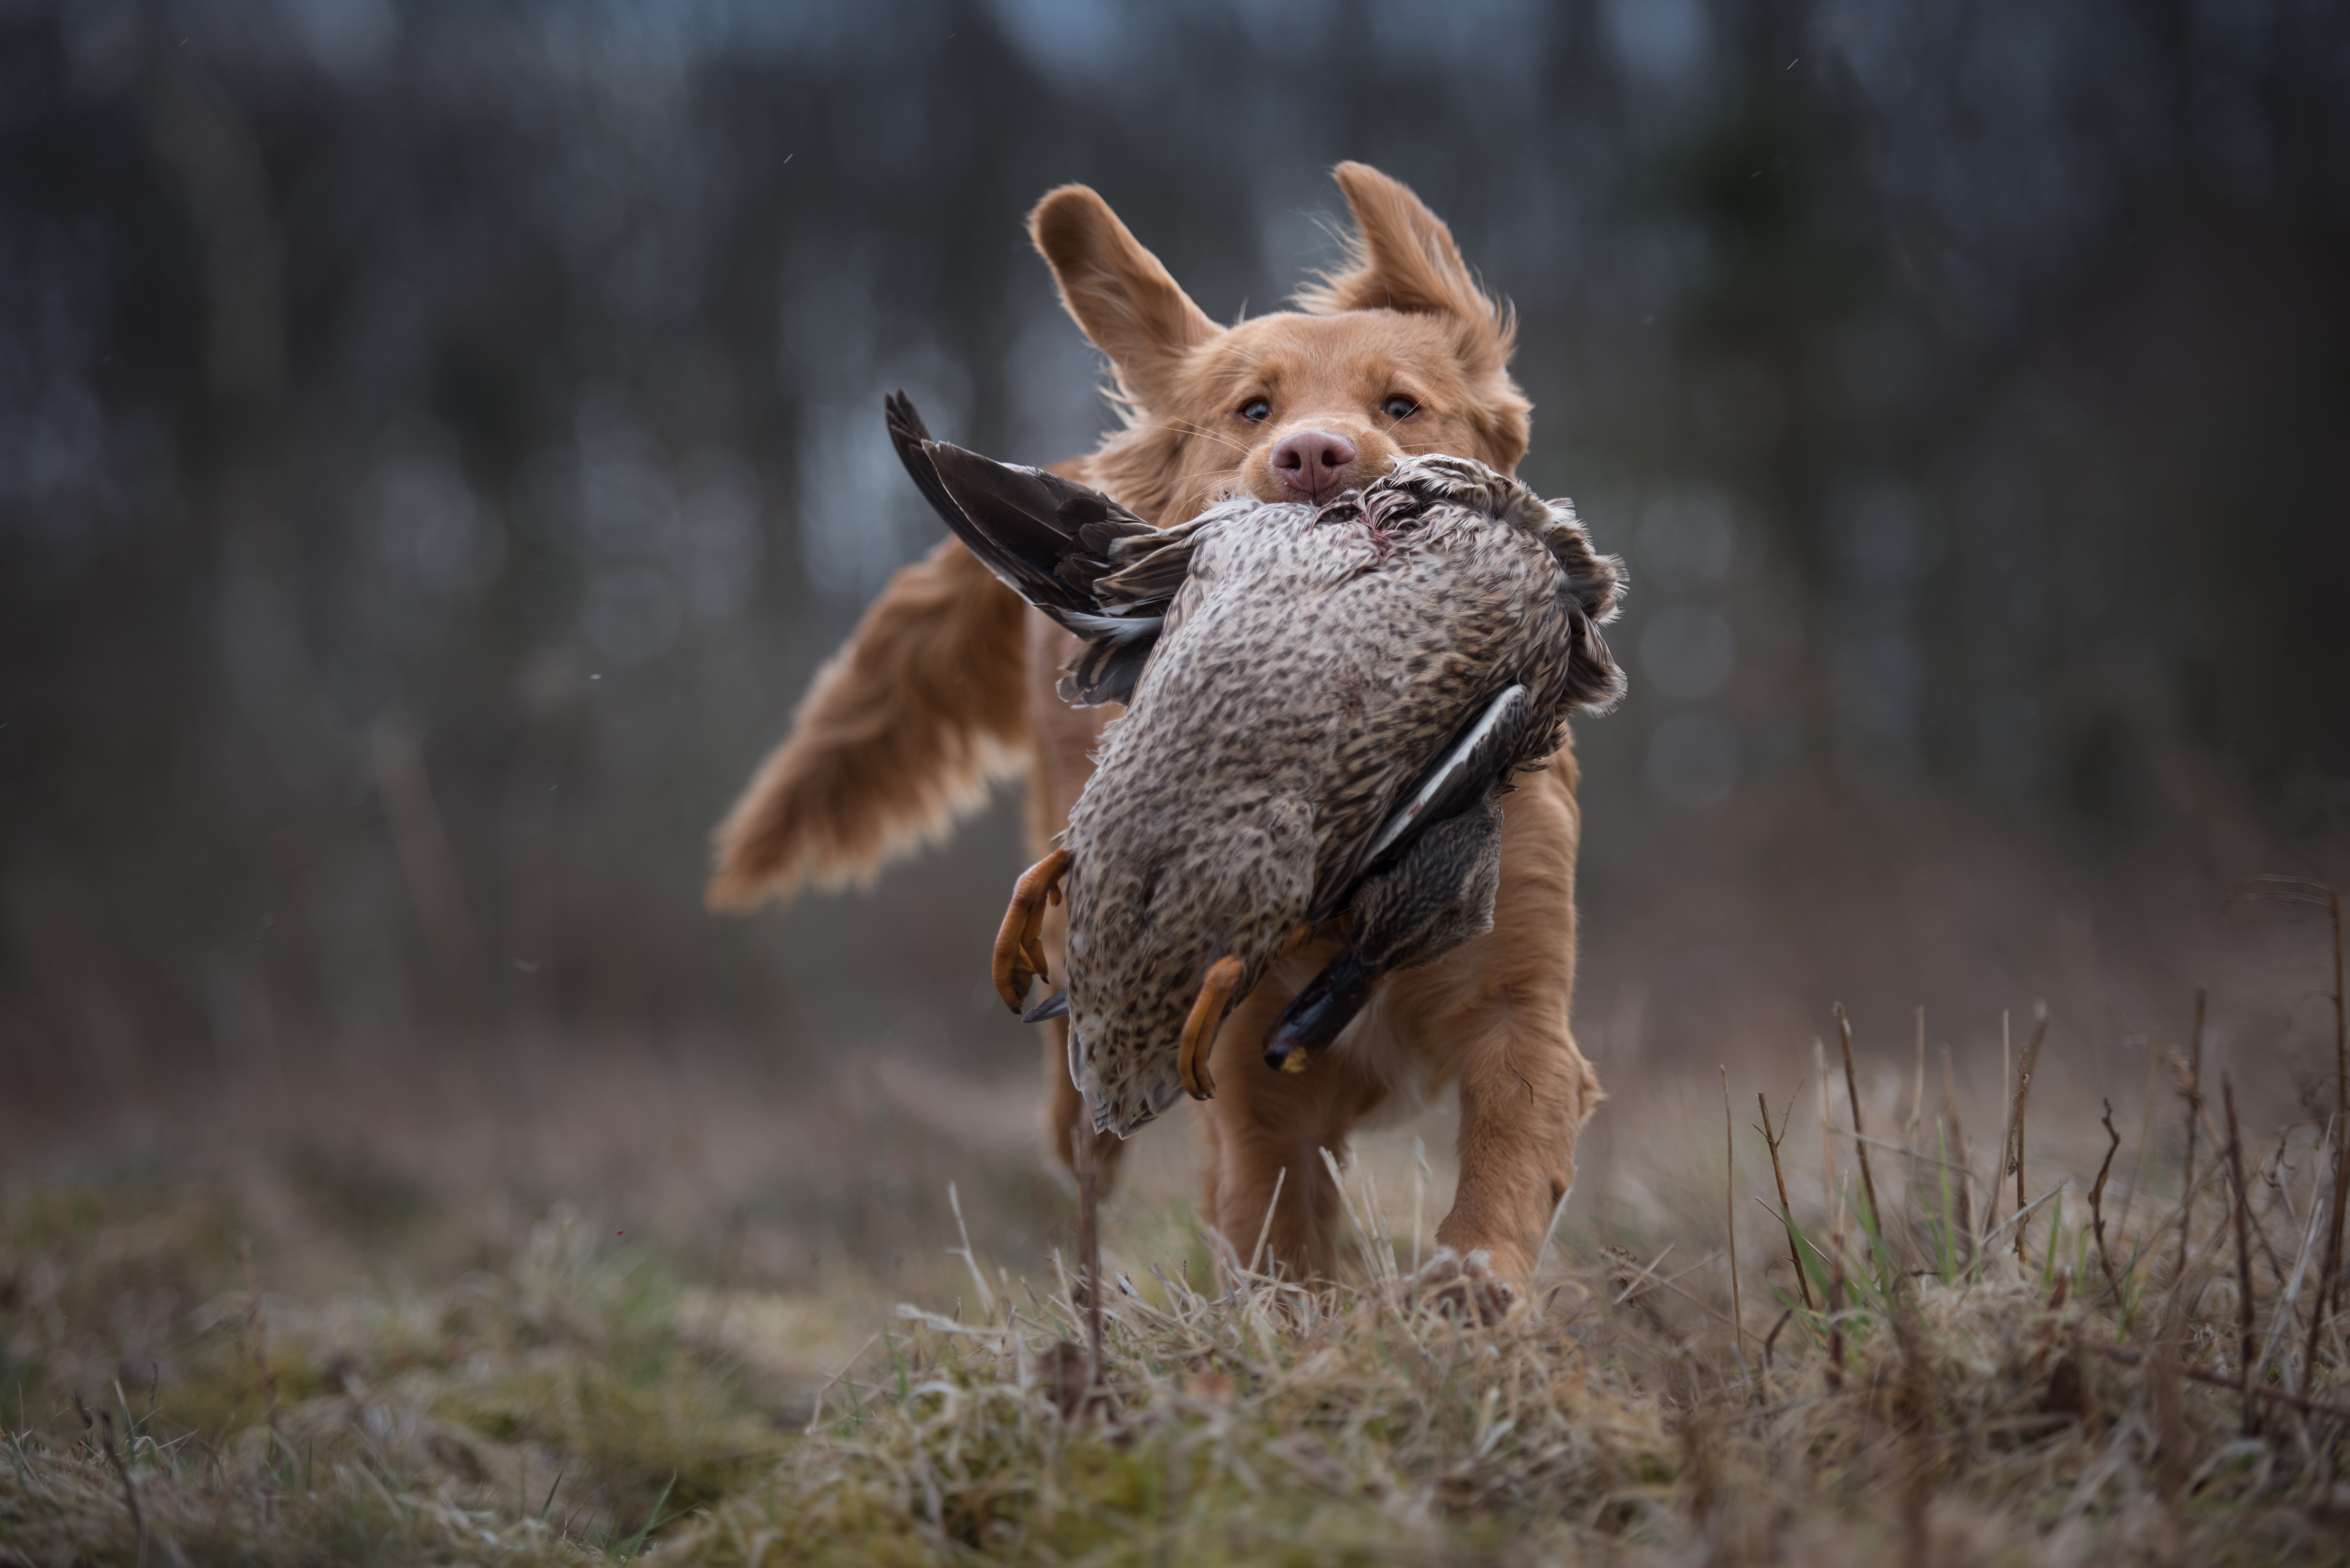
1324	705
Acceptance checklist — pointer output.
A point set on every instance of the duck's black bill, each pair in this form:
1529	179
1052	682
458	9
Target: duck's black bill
1053	1006
1316	1015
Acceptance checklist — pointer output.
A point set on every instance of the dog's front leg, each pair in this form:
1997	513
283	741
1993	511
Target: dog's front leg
1493	1016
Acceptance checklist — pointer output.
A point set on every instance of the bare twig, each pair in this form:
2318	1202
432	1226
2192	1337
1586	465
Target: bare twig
2243	1257
2097	1203
2006	1131
1787	1213
2127	1357
1836	1222
2260	1231
1729	1219
2023	1098
1852	1092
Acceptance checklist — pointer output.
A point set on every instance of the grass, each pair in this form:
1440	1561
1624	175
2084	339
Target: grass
1909	1372
379	1429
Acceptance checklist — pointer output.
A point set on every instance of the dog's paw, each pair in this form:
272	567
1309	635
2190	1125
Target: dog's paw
1464	1289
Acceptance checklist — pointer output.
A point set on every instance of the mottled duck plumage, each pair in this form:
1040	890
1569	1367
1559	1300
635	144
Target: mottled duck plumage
1324	706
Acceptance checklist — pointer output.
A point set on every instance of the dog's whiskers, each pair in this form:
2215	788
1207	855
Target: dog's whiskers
1191	427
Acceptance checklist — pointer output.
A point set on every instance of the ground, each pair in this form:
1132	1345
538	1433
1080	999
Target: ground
293	1355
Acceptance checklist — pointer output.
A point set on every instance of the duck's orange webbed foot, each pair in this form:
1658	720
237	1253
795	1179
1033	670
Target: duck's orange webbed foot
1020	944
1200	1029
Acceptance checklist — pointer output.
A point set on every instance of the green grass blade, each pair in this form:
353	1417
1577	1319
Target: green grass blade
652	1517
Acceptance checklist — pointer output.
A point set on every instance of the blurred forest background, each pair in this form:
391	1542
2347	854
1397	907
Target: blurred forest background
438	442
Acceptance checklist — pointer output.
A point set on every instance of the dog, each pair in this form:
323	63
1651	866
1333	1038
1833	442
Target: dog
947	687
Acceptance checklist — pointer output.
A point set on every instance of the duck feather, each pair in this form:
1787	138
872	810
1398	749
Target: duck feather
1057	545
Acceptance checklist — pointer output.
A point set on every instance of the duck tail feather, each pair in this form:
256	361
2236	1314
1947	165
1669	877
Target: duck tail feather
1019	560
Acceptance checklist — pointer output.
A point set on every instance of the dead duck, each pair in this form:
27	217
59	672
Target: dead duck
1324	706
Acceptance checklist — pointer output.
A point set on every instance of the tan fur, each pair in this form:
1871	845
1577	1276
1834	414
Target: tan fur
890	743
901	732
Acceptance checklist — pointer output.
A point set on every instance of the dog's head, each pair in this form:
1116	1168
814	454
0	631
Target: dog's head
1397	353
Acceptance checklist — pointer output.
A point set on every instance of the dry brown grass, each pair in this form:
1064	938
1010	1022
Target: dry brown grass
1929	1392
1991	1408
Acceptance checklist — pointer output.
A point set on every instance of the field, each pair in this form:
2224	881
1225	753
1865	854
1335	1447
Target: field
427	1359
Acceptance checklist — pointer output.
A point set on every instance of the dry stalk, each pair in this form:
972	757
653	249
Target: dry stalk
2260	1231
2030	1065
2006	1135
1836	1222
2098	1201
1852	1092
2243	1258
1786	1212
1729	1219
1271	1205
2284	1397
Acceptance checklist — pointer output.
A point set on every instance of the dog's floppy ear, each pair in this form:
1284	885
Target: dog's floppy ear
1403	257
1118	292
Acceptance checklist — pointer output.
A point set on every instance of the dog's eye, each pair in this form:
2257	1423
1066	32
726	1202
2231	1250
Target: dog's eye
1398	408
1257	411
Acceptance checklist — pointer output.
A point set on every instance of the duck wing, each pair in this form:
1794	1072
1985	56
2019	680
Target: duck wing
1483	754
1094	566
1499	736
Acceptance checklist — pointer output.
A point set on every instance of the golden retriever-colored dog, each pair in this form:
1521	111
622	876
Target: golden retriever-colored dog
947	684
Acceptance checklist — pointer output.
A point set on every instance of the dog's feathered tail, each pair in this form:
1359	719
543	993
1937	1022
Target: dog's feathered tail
900	733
